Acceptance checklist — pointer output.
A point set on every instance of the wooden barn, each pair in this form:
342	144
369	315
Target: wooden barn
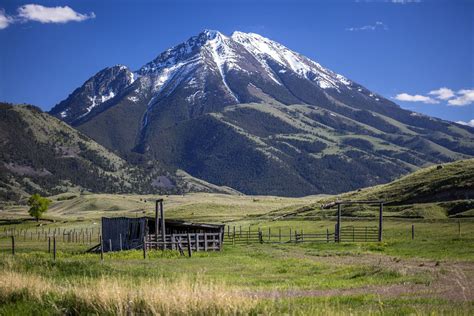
124	233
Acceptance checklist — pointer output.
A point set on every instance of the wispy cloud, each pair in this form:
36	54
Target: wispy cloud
371	27
442	93
391	1
462	97
5	20
415	98
403	1
42	14
39	13
469	123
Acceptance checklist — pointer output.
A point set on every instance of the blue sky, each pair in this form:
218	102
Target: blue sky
401	49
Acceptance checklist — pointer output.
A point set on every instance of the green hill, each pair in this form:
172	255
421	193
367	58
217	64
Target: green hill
445	182
39	153
436	192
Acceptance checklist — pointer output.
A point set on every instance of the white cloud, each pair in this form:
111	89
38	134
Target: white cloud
442	93
391	1
463	97
404	1
415	98
373	27
42	14
5	20
470	123
460	98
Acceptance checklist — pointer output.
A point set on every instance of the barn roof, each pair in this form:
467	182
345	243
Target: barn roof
170	222
181	223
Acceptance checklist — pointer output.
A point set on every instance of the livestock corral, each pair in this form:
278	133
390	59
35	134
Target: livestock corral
262	257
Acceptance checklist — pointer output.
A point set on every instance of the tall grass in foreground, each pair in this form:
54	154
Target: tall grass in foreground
125	296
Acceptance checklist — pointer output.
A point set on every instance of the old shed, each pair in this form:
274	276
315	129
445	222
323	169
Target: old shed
124	233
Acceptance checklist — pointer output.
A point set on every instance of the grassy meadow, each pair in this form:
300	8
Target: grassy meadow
431	274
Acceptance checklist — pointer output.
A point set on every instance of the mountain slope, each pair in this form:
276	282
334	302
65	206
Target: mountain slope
445	182
247	112
39	153
435	192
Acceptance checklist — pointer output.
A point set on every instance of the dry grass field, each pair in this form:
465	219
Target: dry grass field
431	274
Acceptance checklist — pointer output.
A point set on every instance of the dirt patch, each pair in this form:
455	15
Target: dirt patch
453	281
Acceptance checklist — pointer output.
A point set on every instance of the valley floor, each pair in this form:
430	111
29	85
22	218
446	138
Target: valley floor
430	274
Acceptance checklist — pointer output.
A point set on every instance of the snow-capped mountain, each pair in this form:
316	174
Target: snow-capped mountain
215	105
210	57
105	85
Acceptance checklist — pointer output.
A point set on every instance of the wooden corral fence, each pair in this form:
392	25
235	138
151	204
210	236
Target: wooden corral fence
194	241
359	234
80	236
239	235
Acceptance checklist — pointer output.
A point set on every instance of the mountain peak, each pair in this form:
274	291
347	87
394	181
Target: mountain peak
212	34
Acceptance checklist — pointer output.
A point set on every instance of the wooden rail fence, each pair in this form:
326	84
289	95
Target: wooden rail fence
82	236
195	241
238	235
359	234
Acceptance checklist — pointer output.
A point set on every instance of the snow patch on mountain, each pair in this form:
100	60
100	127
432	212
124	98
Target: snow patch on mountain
264	49
222	54
107	97
134	99
97	100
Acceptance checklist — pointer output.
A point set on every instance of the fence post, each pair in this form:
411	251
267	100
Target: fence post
120	239
290	234
260	236
110	244
353	233
327	234
144	247
338	225
279	234
412	231
101	248
13	245
380	222
196	237
54	247
190	251
49	244
269	233
205	241
302	235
